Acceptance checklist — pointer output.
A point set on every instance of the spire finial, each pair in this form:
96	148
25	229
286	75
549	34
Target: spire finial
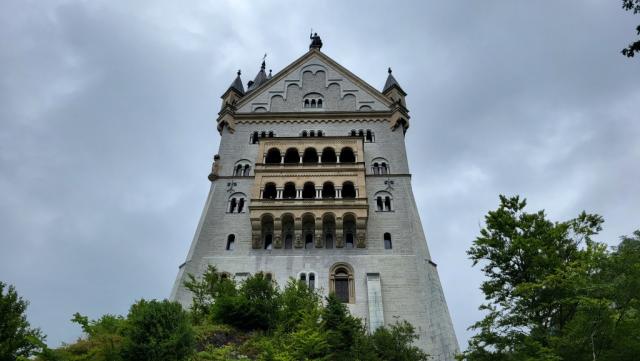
270	72
389	70
239	72
263	61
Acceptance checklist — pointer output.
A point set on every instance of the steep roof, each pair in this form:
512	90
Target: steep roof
237	84
390	83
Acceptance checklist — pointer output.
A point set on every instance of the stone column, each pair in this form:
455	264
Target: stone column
298	193
318	193
282	159
361	233
338	157
279	193
318	233
300	157
339	236
277	233
338	193
256	233
297	230
319	158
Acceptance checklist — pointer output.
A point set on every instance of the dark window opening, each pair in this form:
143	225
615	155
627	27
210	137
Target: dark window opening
240	205
328	241
269	191
312	133
263	135
270	134
379	203
254	138
342	288
369	137
306	103
232	205
308	241
310	156
328	190
353	133
312	281
361	133
319	103
309	190
348	190
231	242
273	156
289	191
303	277
268	240
347	155
329	155
387	203
387	241
304	134
320	134
349	240
384	169
291	156
288	241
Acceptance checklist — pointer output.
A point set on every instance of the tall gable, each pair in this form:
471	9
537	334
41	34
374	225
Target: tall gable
314	83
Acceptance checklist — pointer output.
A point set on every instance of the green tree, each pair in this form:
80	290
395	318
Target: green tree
17	338
346	335
205	290
552	292
157	331
632	5
255	306
395	343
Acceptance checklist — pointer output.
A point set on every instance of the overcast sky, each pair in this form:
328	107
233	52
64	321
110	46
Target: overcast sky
108	108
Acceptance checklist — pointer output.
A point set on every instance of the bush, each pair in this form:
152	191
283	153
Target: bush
157	331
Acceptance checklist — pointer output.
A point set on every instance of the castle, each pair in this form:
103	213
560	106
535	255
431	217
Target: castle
311	181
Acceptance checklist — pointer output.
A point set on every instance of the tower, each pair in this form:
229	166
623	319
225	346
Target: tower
311	181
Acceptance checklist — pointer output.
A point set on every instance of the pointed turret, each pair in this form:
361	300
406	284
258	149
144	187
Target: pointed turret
260	78
393	91
237	84
390	83
229	100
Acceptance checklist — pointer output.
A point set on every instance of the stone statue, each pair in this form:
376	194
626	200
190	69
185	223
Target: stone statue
215	168
316	42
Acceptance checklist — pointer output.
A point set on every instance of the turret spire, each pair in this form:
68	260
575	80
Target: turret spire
391	82
237	84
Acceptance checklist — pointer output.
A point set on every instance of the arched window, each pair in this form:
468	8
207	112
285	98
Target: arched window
269	191
309	190
310	156
348	190
328	155
353	133
306	103
273	156
231	239
328	190
289	191
312	281
304	132
383	201
242	168
341	283
270	134
267	231
254	138
387	241
361	133
313	103
320	134
236	203
312	133
287	230
263	135
369	136
303	277
380	166
291	156
308	230
319	103
347	155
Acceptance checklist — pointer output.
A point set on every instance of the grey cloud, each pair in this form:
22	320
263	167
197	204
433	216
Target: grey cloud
107	128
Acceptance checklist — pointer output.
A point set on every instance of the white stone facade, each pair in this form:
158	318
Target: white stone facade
401	282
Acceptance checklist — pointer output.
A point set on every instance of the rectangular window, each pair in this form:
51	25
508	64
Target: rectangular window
342	289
